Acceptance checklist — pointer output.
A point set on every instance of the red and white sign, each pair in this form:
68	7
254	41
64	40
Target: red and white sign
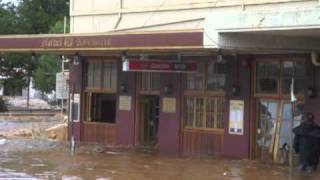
159	66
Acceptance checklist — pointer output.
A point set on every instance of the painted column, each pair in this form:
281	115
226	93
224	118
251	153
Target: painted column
238	75
125	124
169	118
76	80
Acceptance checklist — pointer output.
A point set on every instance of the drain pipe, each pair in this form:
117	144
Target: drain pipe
119	15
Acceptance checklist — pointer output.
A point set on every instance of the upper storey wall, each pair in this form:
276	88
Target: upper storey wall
94	16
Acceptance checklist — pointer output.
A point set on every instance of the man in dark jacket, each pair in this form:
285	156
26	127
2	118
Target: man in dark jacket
307	143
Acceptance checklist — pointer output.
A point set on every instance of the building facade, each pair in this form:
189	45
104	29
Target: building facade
189	77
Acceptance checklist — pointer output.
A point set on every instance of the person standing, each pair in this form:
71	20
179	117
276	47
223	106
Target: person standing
307	143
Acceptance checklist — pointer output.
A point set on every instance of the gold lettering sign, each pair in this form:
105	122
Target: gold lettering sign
169	105
77	42
124	103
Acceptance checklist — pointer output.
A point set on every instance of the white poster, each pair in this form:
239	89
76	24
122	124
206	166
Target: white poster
75	107
61	85
236	117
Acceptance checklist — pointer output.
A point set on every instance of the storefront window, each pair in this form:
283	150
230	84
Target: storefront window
272	75
216	76
204	112
196	80
150	81
296	69
267	77
101	75
204	101
102	108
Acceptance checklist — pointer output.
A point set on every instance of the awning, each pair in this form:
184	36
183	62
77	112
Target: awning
68	44
293	30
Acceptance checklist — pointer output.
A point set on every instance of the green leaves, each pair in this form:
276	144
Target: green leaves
31	17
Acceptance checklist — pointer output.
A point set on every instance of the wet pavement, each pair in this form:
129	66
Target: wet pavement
23	158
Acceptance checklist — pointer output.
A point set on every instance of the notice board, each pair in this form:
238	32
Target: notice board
236	115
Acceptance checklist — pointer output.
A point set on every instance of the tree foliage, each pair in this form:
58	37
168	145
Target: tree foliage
31	17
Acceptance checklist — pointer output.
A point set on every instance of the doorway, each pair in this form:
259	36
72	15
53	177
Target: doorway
149	120
273	128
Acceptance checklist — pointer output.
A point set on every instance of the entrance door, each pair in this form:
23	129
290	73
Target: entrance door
273	128
149	120
268	112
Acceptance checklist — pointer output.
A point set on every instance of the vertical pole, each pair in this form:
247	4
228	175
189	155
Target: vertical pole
62	70
64	24
72	140
28	90
293	99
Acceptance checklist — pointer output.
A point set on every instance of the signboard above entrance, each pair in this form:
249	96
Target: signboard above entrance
159	66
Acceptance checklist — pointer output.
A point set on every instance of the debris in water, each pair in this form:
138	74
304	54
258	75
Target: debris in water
2	141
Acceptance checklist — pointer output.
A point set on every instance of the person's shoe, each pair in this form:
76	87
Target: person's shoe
302	167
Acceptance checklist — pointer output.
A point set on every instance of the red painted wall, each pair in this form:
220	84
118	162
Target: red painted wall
169	123
76	82
237	145
125	127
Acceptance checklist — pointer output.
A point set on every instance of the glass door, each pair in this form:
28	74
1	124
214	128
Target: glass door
268	112
273	129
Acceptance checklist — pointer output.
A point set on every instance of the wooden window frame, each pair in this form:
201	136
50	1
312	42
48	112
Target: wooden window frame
205	94
279	93
100	89
149	90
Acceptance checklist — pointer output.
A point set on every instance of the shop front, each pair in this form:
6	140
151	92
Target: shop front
166	91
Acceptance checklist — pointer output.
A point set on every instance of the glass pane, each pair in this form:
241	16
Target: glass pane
199	112
216	76
267	77
97	75
90	75
189	107
266	125
155	81
195	81
300	69
288	68
107	69
220	112
267	86
210	113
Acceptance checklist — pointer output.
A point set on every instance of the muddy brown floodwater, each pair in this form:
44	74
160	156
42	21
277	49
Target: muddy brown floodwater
57	163
26	158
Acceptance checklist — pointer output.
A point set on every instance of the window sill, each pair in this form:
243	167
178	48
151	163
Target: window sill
99	123
204	130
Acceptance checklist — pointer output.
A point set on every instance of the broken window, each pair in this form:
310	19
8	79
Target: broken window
102	108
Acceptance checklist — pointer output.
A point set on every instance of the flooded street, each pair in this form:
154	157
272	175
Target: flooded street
27	158
95	162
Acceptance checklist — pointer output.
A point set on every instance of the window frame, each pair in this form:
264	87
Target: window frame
101	89
205	94
279	93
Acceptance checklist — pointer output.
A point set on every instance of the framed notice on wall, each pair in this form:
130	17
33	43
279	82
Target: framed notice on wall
169	105
124	103
236	117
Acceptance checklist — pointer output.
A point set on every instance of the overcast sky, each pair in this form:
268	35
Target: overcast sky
13	1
